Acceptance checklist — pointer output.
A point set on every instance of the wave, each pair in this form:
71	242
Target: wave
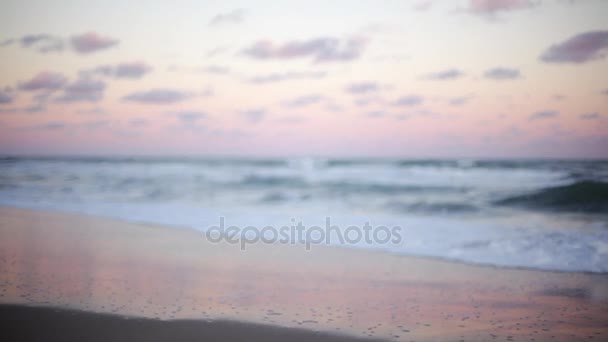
444	206
575	167
580	169
432	163
429	207
283	197
344	187
266	181
389	189
393	162
354	162
584	196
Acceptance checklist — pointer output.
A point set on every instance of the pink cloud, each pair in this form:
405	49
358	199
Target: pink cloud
42	42
83	90
136	69
409	101
583	47
544	114
447	74
6	96
44	80
494	6
324	49
158	96
362	87
502	73
91	42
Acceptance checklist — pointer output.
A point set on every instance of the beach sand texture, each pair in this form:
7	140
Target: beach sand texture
102	266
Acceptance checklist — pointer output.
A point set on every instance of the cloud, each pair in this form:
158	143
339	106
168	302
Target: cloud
501	73
91	42
158	96
31	39
43	43
233	17
322	50
32	108
590	116
581	48
133	70
304	101
364	87
544	114
409	101
459	101
83	90
447	74
62	125
490	7
6	96
35	108
253	115
44	80
190	120
287	76
190	117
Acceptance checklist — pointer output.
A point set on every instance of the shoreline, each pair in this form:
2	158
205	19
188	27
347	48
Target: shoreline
295	245
108	266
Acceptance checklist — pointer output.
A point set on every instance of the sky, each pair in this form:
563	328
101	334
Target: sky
419	78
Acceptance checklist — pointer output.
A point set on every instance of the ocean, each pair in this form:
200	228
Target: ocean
537	214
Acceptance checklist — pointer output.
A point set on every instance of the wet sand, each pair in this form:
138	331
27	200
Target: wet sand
53	324
169	275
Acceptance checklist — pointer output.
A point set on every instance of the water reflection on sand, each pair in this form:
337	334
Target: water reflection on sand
106	266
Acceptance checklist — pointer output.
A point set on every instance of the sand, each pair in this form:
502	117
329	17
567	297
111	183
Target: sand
53	324
174	282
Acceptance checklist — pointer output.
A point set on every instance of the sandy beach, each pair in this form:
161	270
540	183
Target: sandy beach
173	282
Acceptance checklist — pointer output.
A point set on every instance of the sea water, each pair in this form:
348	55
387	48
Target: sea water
493	212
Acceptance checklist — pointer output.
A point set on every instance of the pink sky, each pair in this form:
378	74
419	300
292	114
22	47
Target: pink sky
479	78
